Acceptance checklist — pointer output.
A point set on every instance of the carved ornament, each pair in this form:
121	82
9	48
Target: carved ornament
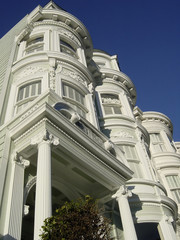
123	191
73	75
110	100
122	134
29	70
20	160
45	136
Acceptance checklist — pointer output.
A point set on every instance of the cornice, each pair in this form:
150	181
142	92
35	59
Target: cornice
157	117
145	182
46	114
65	18
60	58
122	78
64	29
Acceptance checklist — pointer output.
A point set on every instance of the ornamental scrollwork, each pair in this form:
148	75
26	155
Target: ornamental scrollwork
123	191
18	159
73	75
110	100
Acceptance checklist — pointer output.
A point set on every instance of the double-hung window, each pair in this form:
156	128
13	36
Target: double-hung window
75	98
67	48
111	104
174	185
157	142
34	45
28	93
133	160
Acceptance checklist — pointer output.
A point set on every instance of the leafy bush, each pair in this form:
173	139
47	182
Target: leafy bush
76	220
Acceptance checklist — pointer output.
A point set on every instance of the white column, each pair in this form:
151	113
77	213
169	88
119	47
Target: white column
16	207
43	202
128	225
166	229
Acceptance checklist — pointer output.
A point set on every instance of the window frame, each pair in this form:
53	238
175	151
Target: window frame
157	143
25	100
134	160
69	47
115	103
34	46
175	190
78	106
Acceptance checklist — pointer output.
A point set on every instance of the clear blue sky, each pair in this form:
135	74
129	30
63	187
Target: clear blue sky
145	34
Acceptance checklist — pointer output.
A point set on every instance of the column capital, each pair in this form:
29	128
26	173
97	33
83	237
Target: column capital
45	136
168	219
18	159
123	191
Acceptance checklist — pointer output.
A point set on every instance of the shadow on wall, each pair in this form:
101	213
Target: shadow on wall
7	237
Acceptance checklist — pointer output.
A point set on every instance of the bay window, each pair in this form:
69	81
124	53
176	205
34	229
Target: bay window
174	185
75	98
28	93
111	104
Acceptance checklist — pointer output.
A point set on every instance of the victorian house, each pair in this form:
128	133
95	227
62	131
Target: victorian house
69	126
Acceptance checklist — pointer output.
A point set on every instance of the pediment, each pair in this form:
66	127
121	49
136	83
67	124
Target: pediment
52	5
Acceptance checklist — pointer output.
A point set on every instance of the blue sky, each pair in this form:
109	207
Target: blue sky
145	34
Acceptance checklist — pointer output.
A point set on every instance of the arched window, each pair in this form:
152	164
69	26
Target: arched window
28	93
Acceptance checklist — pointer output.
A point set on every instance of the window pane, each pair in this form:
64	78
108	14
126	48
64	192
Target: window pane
117	110
71	95
39	88
27	91
77	96
36	40
20	95
107	110
33	89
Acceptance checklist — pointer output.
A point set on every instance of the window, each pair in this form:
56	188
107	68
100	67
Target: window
67	49
174	185
27	93
157	142
75	98
111	104
132	158
34	45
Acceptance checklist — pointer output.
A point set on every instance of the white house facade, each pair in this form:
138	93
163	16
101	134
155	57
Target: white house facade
69	126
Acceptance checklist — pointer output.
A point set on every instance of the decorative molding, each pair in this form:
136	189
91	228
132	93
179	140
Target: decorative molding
73	75
110	100
62	31
108	145
87	130
31	110
30	130
122	134
20	160
70	35
168	219
123	191
92	135
52	73
75	117
91	88
29	70
45	136
26	31
26	210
